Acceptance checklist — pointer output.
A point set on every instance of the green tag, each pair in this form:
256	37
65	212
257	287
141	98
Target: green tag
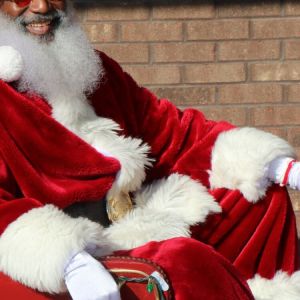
150	286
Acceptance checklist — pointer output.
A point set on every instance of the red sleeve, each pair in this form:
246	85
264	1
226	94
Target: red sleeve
181	141
11	207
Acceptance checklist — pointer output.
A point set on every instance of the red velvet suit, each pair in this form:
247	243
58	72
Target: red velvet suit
43	162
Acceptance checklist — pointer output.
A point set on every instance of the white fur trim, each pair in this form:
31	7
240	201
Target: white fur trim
35	248
11	64
132	153
102	133
165	209
240	160
281	287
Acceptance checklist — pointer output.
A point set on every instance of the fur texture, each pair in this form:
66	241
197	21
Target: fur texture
65	85
240	159
281	287
11	64
63	59
51	238
132	153
165	209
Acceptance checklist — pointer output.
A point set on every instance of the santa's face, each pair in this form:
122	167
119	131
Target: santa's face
37	17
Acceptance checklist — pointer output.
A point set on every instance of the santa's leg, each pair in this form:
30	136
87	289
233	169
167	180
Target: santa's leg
259	239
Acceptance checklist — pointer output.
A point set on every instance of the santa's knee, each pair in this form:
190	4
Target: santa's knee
195	270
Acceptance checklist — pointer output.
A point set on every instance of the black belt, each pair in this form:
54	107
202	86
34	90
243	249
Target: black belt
95	211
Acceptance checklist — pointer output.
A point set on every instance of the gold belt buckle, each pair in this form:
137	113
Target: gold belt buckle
117	207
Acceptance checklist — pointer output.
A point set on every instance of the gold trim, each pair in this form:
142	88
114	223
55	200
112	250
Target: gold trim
129	271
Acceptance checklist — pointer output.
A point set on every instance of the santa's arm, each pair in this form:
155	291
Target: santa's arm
45	249
214	153
246	159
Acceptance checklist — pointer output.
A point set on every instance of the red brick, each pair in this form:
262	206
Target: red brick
183	52
80	12
292	49
297	150
101	32
292	8
234	115
187	96
156	31
105	13
293	134
275	71
245	9
220	72
294	93
192	11
250	93
276	115
276	28
154	74
249	50
217	29
298	224
126	53
295	197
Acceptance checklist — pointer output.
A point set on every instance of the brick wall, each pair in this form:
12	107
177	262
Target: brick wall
238	61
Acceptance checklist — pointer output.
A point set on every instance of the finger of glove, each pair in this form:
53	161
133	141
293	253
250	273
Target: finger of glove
89	284
86	278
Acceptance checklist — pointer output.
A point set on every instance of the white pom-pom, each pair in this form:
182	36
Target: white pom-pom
11	64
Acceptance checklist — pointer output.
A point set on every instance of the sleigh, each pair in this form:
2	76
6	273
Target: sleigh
137	279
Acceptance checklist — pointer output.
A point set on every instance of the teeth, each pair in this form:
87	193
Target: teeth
39	24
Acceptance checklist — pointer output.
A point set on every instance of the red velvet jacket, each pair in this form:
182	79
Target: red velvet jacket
46	166
42	162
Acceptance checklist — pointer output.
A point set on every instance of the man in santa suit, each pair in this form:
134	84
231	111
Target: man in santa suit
80	141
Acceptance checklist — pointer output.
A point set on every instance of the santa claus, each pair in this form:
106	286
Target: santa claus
91	164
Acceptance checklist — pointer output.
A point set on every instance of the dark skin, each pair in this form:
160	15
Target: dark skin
32	12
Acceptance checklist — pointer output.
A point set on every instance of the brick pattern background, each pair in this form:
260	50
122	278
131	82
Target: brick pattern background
234	60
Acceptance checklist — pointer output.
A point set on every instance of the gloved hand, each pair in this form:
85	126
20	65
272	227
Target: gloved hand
285	171
87	279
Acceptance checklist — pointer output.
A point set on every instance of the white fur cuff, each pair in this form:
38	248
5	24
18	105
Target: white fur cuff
240	159
165	209
281	287
35	248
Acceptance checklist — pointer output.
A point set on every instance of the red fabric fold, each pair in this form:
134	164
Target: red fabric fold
42	162
206	276
257	238
48	162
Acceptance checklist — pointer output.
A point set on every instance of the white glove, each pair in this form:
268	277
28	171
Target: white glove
87	279
279	169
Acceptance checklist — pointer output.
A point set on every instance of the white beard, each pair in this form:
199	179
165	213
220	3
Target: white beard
65	68
64	71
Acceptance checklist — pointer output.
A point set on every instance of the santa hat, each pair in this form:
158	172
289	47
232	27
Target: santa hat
11	64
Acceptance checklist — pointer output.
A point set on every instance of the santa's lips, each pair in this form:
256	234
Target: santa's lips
40	28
